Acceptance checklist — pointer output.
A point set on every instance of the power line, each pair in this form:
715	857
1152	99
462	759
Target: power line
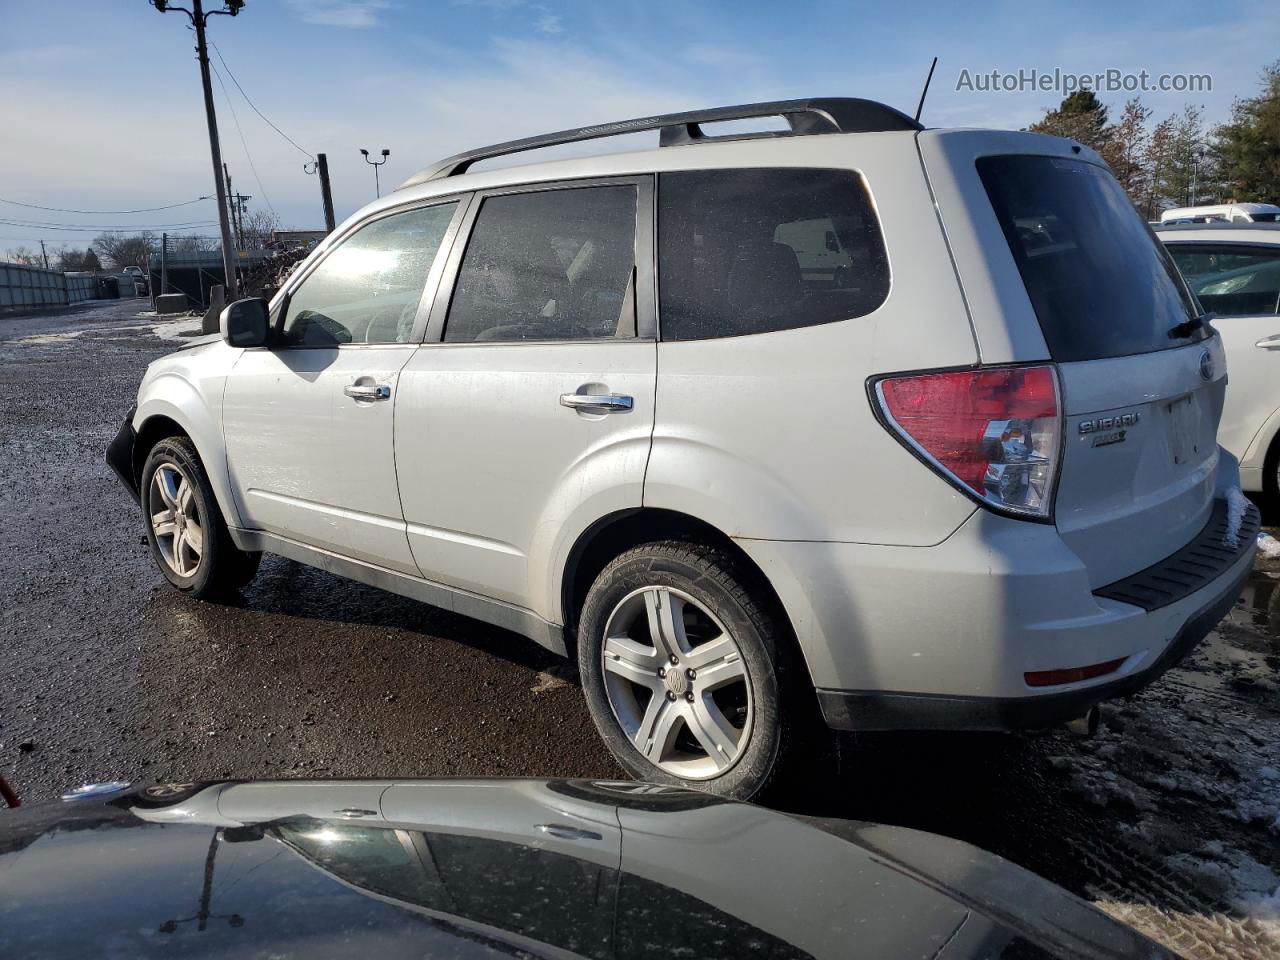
85	228
251	104
171	206
37	224
248	156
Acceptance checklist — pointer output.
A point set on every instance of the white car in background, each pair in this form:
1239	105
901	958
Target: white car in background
1235	273
1223	213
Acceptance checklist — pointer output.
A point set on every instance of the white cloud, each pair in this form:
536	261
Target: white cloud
340	13
490	4
548	23
715	55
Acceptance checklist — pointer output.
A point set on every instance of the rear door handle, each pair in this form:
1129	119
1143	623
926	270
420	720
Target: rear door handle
376	391
1269	343
597	402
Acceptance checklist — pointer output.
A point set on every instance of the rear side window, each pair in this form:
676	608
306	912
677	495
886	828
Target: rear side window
1100	283
549	265
752	251
1231	279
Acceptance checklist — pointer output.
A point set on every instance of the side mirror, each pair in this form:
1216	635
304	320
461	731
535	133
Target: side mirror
246	323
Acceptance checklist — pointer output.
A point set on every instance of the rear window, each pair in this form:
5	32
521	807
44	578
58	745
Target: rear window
1100	283
753	251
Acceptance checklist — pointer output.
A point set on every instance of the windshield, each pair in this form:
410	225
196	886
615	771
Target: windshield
1100	283
1265	217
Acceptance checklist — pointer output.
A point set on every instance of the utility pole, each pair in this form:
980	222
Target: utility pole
44	255
233	201
326	195
238	203
198	20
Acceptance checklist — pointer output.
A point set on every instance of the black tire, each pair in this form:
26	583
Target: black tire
783	705
222	568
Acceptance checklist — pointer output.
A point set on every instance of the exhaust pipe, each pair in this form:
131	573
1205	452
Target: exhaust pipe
1087	725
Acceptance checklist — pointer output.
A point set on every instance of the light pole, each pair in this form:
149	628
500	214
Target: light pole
375	164
198	20
1197	157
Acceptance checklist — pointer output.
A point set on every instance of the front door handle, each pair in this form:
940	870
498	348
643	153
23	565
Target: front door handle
597	402
565	832
1269	343
355	813
358	391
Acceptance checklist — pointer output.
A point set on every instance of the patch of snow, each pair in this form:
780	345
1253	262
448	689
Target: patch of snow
1268	545
1237	504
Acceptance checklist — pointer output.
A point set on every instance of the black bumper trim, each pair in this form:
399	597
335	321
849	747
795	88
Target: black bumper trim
120	455
1207	557
873	710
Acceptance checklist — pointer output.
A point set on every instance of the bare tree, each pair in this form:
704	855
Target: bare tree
190	244
24	256
258	227
121	250
1126	151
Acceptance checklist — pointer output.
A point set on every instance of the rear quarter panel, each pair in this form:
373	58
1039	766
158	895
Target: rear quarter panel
772	435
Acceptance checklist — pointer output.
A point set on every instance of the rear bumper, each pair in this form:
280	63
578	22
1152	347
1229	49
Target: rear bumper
869	710
942	637
119	455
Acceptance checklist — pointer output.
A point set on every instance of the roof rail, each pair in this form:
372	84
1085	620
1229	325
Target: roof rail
805	117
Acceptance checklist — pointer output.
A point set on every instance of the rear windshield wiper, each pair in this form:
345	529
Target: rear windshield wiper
1187	327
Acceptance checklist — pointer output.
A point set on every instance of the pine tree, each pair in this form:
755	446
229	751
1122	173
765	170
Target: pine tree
1247	148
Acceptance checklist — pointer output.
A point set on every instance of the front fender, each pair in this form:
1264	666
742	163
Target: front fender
194	409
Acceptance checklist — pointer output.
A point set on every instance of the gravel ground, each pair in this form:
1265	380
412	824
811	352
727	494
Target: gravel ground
1169	818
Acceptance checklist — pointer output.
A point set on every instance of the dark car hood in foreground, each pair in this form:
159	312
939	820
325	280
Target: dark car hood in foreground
390	869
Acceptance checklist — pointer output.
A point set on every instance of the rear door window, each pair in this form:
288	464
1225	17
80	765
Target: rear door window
1231	279
548	265
758	250
1100	283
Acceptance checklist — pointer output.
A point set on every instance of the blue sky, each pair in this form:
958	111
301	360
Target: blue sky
100	99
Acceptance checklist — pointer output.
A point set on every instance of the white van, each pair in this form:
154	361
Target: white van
1224	213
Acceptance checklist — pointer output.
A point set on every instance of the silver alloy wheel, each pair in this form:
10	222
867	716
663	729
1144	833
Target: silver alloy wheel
676	682
177	528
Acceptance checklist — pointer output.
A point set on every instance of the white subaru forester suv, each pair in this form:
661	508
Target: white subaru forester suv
892	427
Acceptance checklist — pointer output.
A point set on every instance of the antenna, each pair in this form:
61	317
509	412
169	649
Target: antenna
925	91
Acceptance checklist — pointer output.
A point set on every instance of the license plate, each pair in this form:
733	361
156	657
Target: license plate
1184	429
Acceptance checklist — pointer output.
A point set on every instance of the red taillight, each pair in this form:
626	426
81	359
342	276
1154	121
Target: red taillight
1052	678
994	431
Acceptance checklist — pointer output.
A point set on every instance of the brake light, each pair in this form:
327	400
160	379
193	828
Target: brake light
993	432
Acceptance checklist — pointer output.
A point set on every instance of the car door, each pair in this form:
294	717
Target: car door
529	410
308	421
1239	283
